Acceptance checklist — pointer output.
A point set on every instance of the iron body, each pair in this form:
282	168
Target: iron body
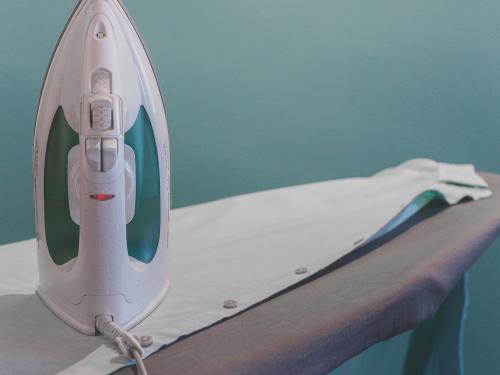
101	173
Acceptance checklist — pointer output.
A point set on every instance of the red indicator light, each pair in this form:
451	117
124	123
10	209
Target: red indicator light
102	197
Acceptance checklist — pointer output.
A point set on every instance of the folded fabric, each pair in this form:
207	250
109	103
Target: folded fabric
227	256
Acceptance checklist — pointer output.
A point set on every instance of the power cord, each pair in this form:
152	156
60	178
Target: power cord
127	343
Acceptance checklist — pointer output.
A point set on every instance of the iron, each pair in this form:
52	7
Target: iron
101	173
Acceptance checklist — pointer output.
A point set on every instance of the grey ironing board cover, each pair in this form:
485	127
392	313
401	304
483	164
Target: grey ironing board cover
371	295
248	248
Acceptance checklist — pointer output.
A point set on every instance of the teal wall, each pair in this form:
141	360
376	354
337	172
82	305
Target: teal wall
269	93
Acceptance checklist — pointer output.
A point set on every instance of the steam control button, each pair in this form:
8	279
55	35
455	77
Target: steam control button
101	114
109	153
93	153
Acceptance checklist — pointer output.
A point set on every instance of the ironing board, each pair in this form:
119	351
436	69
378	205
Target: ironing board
383	289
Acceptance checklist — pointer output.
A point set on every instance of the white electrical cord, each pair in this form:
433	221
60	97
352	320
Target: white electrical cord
128	344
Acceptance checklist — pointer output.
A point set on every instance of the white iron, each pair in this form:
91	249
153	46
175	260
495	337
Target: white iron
102	175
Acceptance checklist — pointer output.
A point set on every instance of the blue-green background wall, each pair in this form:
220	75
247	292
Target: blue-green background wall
268	93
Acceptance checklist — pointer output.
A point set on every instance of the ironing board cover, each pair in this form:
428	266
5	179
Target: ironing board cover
244	248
